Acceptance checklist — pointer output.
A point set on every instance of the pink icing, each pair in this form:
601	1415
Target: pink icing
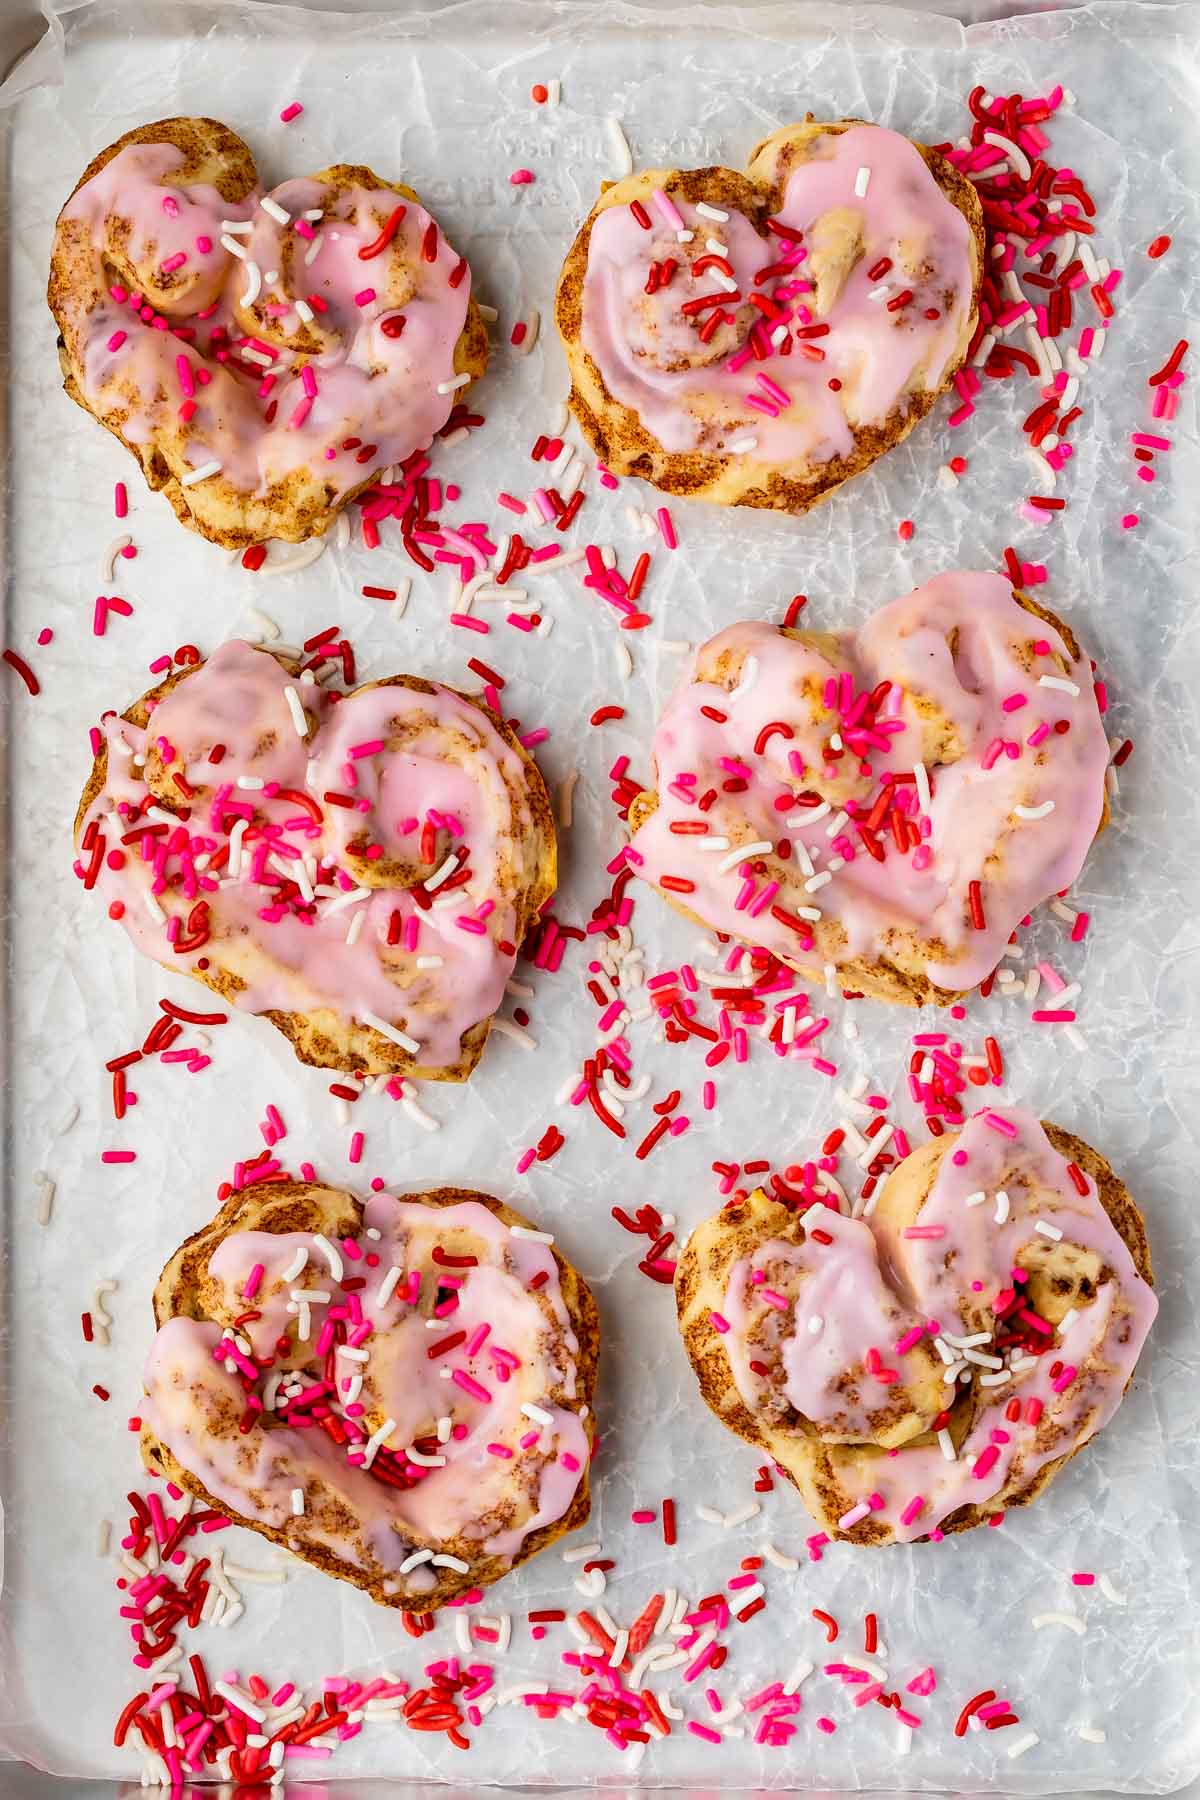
381	390
297	957
971	816
474	1499
841	1308
933	1280
691	398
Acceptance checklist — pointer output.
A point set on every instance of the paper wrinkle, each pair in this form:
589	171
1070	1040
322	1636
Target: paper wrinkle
441	99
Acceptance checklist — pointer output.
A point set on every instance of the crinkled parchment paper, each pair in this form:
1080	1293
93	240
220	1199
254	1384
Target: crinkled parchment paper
442	100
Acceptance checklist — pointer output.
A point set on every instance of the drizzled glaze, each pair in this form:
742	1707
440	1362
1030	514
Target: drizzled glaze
253	414
692	397
432	775
955	1278
474	1502
941	707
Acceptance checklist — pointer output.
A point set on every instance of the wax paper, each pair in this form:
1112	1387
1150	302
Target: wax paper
441	99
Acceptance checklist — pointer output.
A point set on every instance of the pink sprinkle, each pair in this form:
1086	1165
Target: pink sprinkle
1064	1380
913	1510
986	1458
718	1321
308	381
253	1279
500	1450
466	623
998	1123
204	245
45	635
301	413
290	112
120	500
643	1516
926	1231
356	1147
703	1731
924	1683
469	1385
1083	1578
827	1726
173	262
667	529
116	340
126	1156
521	177
1013	703
364	296
1079	928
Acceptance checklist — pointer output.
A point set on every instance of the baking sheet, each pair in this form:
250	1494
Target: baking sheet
442	99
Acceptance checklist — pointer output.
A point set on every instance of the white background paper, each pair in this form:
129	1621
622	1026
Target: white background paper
443	102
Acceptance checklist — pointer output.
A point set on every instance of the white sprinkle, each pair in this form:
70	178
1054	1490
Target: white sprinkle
297	711
759	847
741	446
234	248
1109	1591
274	211
243	1702
449	387
532	322
816	1325
1001	1212
800	1673
1072	1621
305	311
510	1029
710	1515
1035	812
745	681
1049	1231
253	288
1060	682
297	1502
711	212
200	474
314	250
1092	1734
332	1256
390	1032
580	1553
415	1560
418	1115
780	1558
619	144
1022	1745
743	1514
1020	163
975	1199
531	1236
946	1445
862	182
375	1440
921	779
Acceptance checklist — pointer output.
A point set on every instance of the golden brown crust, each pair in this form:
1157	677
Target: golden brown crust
738	1230
891	976
278	1207
322	1038
301	505
616	433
